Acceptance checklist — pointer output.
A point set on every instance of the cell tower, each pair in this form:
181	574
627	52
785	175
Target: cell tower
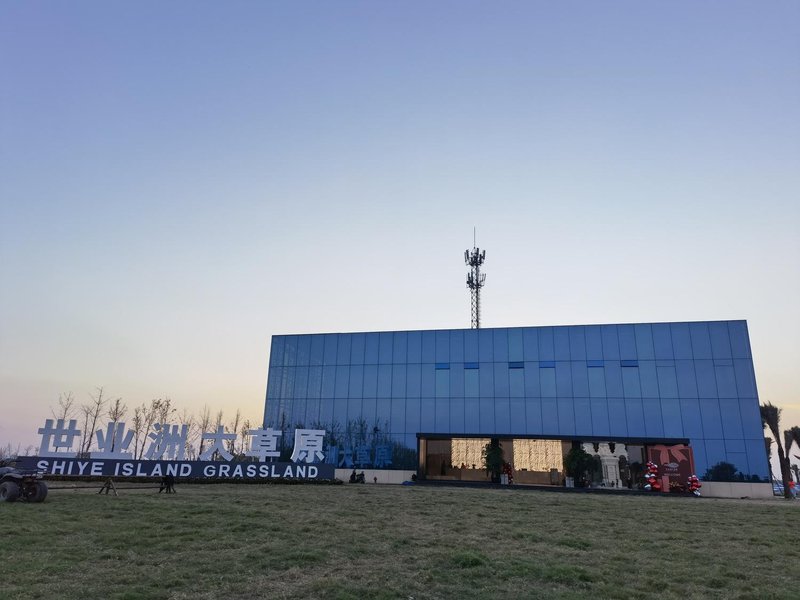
475	279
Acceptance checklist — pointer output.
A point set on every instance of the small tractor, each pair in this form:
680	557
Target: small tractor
16	484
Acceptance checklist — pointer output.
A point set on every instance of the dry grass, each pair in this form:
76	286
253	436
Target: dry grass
368	541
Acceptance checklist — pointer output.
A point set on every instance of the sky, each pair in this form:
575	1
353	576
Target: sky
180	181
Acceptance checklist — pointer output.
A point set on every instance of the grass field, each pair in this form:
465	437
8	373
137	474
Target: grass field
370	541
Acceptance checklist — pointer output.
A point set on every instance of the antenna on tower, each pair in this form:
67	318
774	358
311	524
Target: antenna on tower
475	279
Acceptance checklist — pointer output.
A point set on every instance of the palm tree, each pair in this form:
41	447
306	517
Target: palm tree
771	417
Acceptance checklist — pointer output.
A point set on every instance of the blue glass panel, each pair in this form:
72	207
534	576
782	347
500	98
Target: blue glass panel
533	416
516	365
457	379
561	343
618	418
634	412
276	351
442	424
287	390
614	375
517	411
745	378
687	384
673	418
328	381
342	381
629	363
653	424
471	383
290	351
648	378
343	349
644	342
371	344
317	350
400	347
442	383
501	380
312	411
487	415
413	380
331	343
456	345
486	378
472	419
383	416
298	411
726	381
384	381
326	416
731	419
532	387
472	365
599	412
563	378
550	416
370	381
547	382
500	343
667	382
690	418
732	445
471	353
340	412
301	382
580	378
515	352
485	345
740	341
530	343
594	342
715	452
414	347
303	350
577	343
274	382
751	418
546	347
457	415
412	416
631	386
662	340
314	382
597	383
706	378
398	381
385	347
610	342
757	458
737	459
681	340
502	418
442	346
357	344
428	381
550	364
627	342
712	422
516	383
398	423
701	342
566	417
441	366
720	342
428	347
356	387
699	452
595	363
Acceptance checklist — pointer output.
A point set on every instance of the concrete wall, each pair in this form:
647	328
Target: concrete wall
721	489
383	475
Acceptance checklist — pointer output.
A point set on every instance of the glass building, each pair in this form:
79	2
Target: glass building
399	400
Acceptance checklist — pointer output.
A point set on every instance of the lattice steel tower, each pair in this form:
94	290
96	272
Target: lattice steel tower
475	280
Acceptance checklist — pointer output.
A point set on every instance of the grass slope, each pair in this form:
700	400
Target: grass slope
368	541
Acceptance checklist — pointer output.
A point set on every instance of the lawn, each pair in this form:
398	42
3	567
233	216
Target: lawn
373	541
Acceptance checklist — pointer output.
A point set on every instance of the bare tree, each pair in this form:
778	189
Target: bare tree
66	406
91	412
145	416
205	421
234	428
186	418
246	426
117	410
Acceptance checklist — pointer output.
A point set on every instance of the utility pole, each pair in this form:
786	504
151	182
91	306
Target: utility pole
475	279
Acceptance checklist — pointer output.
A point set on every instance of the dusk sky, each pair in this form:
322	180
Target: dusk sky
180	181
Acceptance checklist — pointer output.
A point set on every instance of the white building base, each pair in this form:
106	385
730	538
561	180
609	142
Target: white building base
723	489
383	475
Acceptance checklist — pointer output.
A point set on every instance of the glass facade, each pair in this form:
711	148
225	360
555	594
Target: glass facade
638	383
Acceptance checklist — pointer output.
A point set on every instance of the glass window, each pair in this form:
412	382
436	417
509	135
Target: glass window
314	382
413	380
412	415
648	378
326	413
399	347
339	412
290	351
580	378
731	420
471	346
595	363
706	378
500	344
720	342
358	340
653	423
486	373
745	379
563	378
662	340
274	382
515	352
427	419
701	342
550	416
287	391
577	344
303	350
442	383
614	381
485	345
644	342
342	381
547	382
566	417
328	381
371	344
673	420
276	351
301	382
546	345
471	387
533	416
530	343
501	380
317	349
414	344
487	415
532	386
398	423
712	422
751	418
687	385
517	413
594	342
715	452
370	381
330	349
398	381
456	345
385	341
472	419
383	417
599	408
502	418
516	383
298	417
737	459
428	347
384	381
690	418
343	349
457	415
610	342
428	381
442	346
356	388
667	382
699	451
457	380
597	383
627	342
726	381
634	412
681	340
561	343
740	343
757	458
